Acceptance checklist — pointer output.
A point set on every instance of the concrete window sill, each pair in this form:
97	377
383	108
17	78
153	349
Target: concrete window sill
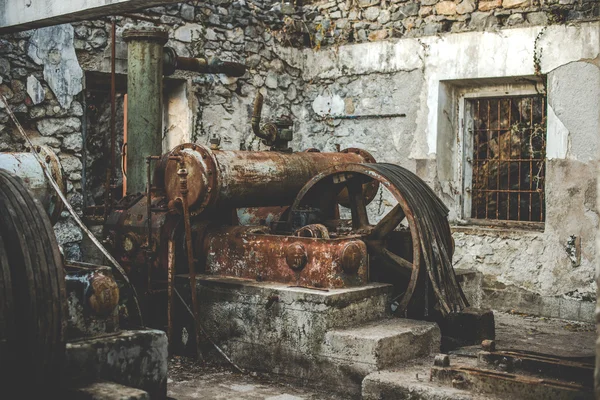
483	226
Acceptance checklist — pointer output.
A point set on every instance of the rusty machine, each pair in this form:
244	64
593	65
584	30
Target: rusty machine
299	218
296	218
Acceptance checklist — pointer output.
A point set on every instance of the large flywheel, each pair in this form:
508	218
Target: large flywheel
32	289
411	246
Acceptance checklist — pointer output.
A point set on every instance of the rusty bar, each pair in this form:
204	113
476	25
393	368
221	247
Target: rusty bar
487	178
507	191
509	155
530	162
516	159
182	173
113	108
477	165
557	368
170	284
519	163
149	220
542	178
498	163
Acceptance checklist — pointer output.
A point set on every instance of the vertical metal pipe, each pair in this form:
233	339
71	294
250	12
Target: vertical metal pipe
144	101
113	109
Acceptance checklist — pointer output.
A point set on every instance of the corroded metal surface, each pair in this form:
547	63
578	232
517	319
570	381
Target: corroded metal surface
27	167
525	387
93	297
234	179
428	264
554	367
241	252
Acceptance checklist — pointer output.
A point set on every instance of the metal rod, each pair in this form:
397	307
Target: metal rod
200	327
78	220
149	220
113	109
182	172
170	285
498	158
369	116
530	162
84	147
509	155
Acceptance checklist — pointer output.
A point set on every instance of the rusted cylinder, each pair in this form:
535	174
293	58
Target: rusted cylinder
27	167
237	179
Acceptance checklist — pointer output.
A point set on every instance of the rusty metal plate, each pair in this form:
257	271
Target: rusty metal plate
302	261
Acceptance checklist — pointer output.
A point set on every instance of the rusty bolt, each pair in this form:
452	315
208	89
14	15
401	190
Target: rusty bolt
296	257
351	257
488	345
441	360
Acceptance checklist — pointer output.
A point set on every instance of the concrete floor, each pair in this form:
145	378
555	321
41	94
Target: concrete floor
189	380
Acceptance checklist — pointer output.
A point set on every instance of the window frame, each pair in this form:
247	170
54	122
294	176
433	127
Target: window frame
466	151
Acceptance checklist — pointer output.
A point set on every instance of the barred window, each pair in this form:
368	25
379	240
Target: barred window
508	157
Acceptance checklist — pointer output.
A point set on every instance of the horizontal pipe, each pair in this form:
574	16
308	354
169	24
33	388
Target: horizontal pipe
237	179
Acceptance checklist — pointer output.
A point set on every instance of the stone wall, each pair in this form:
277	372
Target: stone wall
341	22
414	59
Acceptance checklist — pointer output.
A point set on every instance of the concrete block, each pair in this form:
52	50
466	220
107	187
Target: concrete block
383	343
471	281
569	309
550	307
412	383
272	327
501	299
132	358
106	391
278	315
587	311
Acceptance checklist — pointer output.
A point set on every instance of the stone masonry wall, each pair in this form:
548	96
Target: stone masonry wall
339	22
43	78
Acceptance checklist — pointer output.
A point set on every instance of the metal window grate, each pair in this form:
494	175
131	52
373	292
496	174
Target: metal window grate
509	154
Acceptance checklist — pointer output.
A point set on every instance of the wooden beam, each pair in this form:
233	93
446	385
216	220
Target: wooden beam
20	15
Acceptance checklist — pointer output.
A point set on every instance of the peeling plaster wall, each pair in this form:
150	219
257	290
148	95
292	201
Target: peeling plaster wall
425	76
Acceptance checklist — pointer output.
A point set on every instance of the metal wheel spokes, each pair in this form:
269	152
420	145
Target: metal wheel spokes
358	207
353	178
388	223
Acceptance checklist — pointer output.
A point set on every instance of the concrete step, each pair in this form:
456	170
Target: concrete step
106	391
411	382
136	358
383	343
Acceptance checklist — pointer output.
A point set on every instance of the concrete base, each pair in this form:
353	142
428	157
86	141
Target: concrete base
413	383
106	391
487	293
330	339
132	358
